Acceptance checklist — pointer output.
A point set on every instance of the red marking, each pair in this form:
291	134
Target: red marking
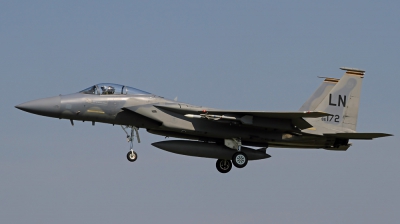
204	111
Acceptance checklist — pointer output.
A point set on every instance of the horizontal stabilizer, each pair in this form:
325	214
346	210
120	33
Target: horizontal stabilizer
365	136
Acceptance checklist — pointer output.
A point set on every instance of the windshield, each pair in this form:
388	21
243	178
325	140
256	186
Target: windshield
113	89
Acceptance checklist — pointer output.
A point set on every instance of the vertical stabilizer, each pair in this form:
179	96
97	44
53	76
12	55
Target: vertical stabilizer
342	103
312	103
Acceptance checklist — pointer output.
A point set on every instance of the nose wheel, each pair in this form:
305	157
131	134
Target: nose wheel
132	155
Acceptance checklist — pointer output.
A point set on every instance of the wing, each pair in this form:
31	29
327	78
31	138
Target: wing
254	118
268	114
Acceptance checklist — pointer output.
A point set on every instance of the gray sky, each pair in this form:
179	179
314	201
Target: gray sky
247	55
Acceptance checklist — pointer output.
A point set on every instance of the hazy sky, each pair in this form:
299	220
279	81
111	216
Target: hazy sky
245	55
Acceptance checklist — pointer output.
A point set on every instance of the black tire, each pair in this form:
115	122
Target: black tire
224	166
239	159
131	156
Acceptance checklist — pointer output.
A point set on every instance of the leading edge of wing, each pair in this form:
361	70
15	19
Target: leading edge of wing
361	136
268	114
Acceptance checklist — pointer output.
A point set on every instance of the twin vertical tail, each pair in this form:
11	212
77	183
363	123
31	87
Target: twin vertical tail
323	90
342	102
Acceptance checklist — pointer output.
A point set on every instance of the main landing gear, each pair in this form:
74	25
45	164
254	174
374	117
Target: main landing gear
131	156
224	166
239	159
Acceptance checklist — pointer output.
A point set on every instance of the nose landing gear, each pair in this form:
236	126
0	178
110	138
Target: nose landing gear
131	156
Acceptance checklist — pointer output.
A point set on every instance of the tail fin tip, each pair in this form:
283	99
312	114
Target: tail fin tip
334	80
353	70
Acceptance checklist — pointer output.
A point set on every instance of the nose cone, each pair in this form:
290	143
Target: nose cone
49	107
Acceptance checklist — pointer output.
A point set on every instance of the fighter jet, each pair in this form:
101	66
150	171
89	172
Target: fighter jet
327	120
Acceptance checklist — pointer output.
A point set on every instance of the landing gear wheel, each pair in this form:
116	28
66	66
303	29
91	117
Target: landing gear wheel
239	159
224	166
131	156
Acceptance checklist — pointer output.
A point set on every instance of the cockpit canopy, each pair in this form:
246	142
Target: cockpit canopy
112	89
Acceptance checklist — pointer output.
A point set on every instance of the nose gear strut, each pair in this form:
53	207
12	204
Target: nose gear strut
131	156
